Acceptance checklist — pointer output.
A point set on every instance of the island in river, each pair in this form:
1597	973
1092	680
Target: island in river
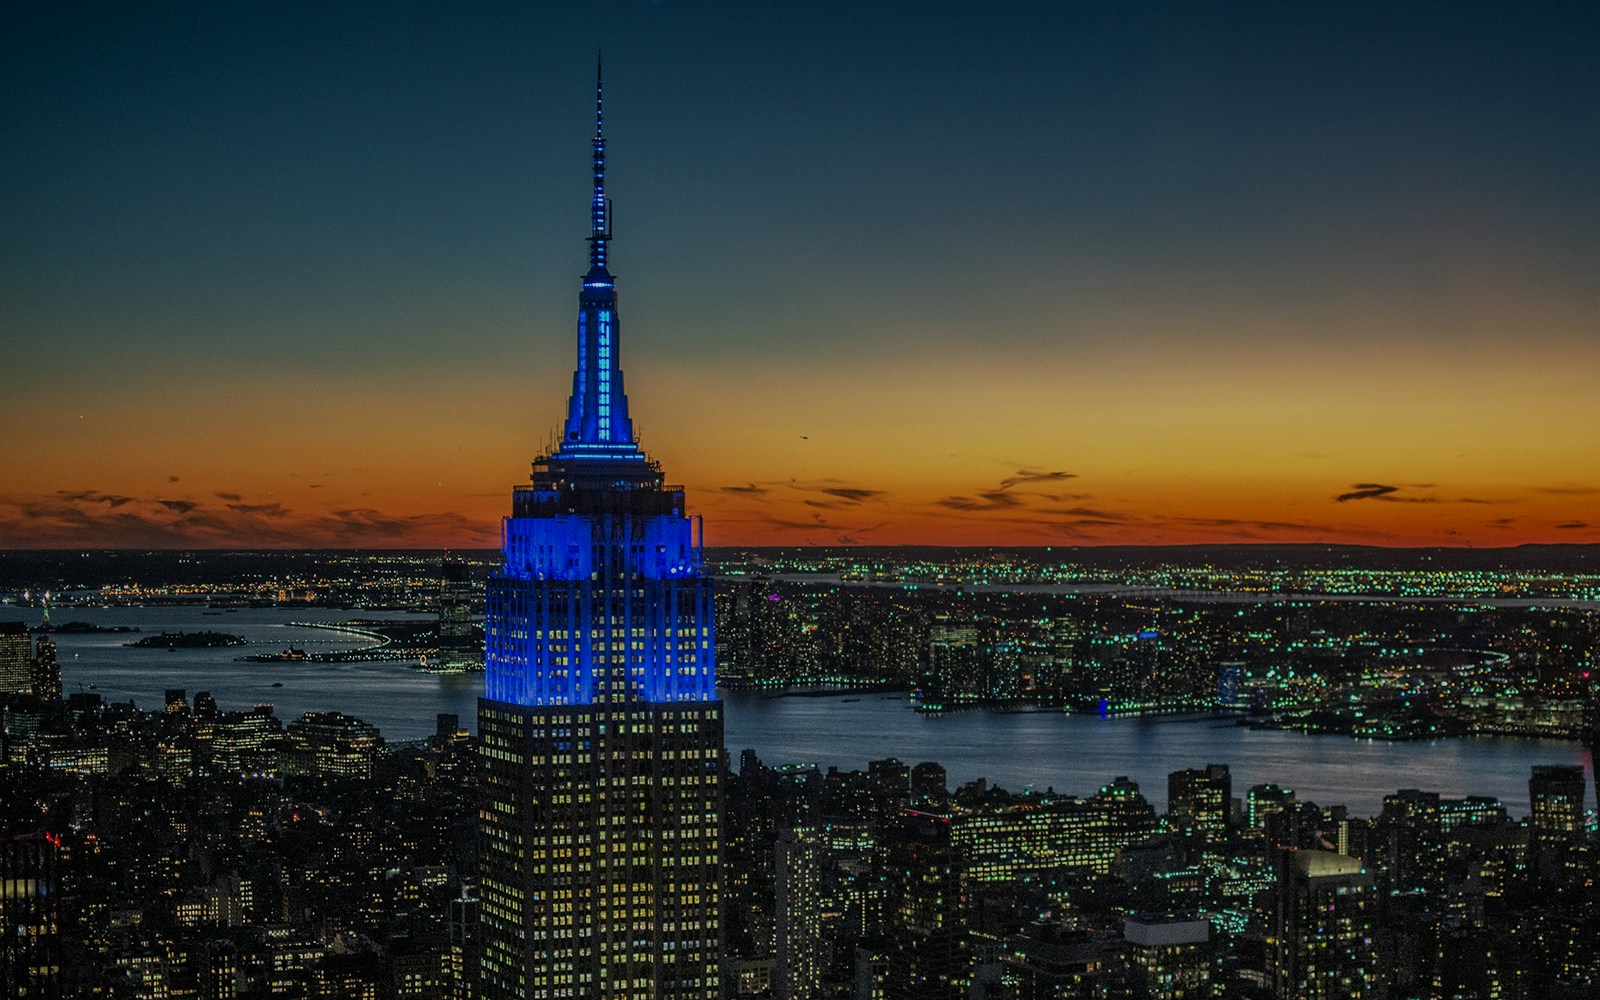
187	640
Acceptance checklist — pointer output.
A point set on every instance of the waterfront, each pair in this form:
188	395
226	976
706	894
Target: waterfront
1071	753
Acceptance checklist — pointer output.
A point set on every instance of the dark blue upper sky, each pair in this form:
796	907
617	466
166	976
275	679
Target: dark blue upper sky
388	165
258	191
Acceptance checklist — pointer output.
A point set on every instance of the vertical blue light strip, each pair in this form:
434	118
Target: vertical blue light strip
603	373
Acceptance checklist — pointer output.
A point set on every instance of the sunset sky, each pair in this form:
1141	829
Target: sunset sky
299	275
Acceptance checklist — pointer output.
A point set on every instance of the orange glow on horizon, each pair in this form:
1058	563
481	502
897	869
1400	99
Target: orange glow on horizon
937	450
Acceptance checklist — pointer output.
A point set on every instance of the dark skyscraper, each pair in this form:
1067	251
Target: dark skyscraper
924	922
1321	941
458	649
14	658
600	730
30	947
44	670
1555	797
1199	802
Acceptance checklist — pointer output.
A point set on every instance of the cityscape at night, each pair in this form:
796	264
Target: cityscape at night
1105	502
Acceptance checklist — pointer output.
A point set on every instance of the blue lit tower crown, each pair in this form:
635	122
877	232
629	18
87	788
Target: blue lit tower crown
603	597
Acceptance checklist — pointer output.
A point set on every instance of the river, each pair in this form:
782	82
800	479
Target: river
1071	753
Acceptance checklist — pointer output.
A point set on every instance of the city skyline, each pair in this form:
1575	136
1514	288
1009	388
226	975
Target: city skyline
1082	277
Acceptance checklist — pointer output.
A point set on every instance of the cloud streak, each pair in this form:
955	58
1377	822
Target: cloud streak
1034	476
1381	492
95	519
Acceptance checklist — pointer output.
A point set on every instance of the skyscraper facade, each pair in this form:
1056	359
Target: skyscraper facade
1321	943
1555	797
1199	803
600	730
14	678
30	946
44	670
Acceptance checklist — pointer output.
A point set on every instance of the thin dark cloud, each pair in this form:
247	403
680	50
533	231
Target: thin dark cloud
229	496
853	536
1006	496
747	490
1366	491
992	500
1034	476
852	494
832	532
831	492
208	521
1382	492
1573	525
49	511
95	496
366	524
783	522
1104	515
172	479
106	520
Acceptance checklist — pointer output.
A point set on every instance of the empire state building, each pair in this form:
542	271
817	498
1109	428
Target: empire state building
600	730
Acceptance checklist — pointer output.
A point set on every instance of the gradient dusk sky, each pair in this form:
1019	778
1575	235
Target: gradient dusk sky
306	275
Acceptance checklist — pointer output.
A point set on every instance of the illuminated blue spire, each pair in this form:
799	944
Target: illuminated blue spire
599	226
597	425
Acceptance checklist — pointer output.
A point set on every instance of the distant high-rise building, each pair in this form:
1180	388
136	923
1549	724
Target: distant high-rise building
890	780
30	942
1010	841
1474	810
600	732
1198	803
240	743
924	926
929	785
462	955
1229	676
960	663
44	671
1591	726
1169	957
459	648
1321	940
1556	793
331	745
176	702
14	650
798	863
1262	801
1410	845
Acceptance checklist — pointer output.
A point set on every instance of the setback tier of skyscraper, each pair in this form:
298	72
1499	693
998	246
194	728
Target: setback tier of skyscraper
600	729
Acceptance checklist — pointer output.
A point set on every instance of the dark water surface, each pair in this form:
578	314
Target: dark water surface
1072	753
